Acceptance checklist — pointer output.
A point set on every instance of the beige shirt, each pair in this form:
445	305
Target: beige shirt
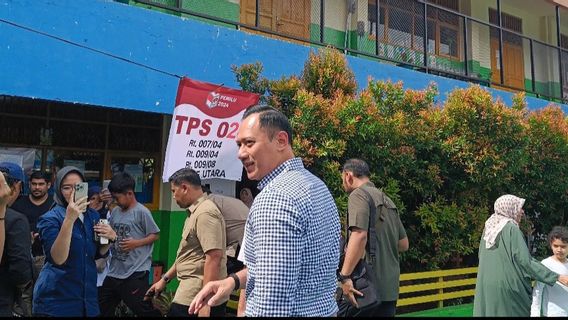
204	230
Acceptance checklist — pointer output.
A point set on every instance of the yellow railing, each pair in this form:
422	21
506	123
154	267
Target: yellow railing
437	281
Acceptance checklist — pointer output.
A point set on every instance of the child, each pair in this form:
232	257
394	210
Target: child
553	301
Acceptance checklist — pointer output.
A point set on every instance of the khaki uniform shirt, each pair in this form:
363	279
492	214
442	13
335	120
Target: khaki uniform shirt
204	230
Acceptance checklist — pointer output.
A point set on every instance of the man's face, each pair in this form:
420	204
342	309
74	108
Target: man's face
38	188
256	150
184	194
346	178
123	200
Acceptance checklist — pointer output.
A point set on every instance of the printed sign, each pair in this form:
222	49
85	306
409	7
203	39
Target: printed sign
204	127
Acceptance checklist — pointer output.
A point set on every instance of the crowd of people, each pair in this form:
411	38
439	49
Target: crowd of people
281	248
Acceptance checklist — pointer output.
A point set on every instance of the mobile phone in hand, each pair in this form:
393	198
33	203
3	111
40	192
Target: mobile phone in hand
81	190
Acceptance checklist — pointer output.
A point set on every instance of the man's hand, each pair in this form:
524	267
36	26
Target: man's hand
155	290
129	244
349	291
212	294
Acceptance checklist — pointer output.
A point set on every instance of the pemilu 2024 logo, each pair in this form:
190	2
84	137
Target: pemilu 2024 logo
215	99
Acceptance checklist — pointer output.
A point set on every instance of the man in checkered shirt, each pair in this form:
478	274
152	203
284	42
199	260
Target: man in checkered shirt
292	232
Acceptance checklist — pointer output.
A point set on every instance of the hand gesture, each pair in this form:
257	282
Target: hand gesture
105	230
74	209
128	244
155	290
349	291
212	294
106	196
5	191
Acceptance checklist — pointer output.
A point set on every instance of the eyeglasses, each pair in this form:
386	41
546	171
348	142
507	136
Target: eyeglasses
67	188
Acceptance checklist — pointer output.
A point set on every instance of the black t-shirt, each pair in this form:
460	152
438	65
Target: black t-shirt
25	206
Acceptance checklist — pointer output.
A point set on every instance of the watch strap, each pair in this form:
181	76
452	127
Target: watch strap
165	278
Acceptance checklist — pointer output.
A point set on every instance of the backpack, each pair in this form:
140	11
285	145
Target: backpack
235	213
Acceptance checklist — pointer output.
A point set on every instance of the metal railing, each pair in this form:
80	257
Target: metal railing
411	33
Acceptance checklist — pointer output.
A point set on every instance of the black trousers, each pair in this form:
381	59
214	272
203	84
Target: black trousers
179	310
386	309
130	290
382	310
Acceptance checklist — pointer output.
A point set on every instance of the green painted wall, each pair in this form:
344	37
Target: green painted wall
165	249
171	3
217	8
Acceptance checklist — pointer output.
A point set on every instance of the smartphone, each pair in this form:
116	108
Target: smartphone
102	239
81	190
105	184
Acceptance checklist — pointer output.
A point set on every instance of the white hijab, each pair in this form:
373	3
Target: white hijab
507	208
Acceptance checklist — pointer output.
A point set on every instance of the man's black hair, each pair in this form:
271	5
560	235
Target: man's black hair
187	175
271	120
358	167
39	175
121	182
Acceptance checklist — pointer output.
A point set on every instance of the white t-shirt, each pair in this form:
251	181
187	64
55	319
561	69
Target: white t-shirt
241	256
551	301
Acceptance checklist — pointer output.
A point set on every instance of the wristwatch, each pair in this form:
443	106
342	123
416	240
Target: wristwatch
166	279
343	278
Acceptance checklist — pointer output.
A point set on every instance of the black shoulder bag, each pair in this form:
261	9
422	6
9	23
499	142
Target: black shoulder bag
363	276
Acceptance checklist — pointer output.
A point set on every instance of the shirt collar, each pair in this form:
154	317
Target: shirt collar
196	204
368	184
288	165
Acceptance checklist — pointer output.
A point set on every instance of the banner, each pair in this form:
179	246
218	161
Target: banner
204	128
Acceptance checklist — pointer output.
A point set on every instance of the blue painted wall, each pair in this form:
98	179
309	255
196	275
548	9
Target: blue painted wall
110	54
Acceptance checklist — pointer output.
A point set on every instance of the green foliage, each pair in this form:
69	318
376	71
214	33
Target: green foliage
250	79
326	73
443	165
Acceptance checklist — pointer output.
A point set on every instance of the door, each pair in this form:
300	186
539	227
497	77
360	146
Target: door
512	55
513	64
288	17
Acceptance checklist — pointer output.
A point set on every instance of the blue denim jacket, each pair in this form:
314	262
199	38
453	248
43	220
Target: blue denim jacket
69	289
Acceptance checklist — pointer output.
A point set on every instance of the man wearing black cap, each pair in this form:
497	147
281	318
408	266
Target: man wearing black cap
16	264
33	206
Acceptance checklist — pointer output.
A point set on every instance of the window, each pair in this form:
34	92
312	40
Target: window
401	23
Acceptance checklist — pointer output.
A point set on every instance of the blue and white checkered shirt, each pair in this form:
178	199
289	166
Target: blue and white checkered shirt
292	245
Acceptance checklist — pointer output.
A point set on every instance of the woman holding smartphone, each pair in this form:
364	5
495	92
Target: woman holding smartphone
67	284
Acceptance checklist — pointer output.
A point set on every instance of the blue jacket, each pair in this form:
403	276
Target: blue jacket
69	289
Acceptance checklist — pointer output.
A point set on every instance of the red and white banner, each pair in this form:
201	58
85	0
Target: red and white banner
204	127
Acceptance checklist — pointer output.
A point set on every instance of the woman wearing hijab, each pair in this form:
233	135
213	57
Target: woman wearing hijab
67	284
503	286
